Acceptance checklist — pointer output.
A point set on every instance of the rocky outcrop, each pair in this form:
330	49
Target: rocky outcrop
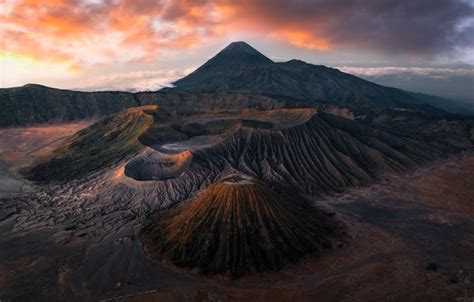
35	104
32	104
211	101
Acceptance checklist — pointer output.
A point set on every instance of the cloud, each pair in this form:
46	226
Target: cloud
419	71
421	28
84	33
451	83
133	81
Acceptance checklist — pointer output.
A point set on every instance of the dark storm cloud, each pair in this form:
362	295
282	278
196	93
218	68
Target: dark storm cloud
420	27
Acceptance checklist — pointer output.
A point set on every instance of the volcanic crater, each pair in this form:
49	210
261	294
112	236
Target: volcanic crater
175	135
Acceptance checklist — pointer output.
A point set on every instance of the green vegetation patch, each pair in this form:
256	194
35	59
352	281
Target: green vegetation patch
94	147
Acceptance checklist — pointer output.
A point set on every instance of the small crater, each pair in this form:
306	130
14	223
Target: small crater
155	165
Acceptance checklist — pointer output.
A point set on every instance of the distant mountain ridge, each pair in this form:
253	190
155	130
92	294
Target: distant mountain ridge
36	104
239	76
241	68
32	104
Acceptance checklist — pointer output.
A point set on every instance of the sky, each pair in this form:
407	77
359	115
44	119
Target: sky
134	45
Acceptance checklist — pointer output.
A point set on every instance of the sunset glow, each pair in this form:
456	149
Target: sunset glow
77	40
237	150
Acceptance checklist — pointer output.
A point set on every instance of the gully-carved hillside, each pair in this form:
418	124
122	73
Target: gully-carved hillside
175	153
237	226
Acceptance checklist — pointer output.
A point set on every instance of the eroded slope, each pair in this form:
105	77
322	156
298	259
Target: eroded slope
173	154
95	147
236	226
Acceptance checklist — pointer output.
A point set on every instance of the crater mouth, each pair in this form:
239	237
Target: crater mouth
237	179
153	165
173	135
193	143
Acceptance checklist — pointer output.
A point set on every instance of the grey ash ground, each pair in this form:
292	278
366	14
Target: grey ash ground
409	238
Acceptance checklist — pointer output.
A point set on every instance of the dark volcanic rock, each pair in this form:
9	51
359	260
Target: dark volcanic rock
241	68
33	104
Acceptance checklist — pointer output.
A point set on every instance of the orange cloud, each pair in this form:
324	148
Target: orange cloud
85	33
23	44
302	39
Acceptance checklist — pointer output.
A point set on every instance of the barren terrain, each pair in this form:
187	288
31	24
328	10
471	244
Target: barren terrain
409	238
21	145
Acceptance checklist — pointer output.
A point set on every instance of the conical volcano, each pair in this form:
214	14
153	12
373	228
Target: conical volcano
241	68
235	55
236	226
240	53
225	69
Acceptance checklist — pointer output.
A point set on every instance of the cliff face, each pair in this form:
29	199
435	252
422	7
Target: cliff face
34	104
210	101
